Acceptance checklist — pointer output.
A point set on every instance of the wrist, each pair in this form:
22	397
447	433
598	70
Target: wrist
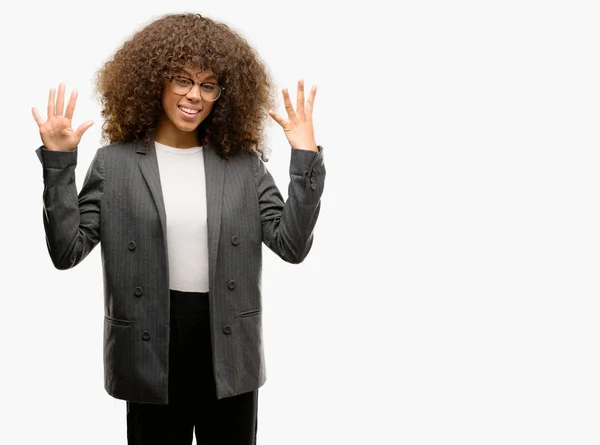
306	148
51	148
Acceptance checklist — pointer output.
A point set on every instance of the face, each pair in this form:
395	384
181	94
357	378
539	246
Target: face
183	113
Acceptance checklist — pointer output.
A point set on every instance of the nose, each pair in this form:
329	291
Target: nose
194	93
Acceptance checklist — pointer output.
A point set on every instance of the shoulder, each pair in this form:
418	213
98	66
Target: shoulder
118	151
254	162
120	146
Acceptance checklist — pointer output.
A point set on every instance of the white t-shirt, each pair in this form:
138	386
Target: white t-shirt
183	185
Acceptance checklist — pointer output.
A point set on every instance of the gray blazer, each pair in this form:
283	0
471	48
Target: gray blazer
121	206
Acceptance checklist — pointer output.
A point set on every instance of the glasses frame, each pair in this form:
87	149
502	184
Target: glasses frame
200	84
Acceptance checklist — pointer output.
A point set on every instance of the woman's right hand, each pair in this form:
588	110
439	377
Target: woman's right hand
56	132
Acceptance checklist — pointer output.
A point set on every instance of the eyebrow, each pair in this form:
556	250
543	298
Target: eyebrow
211	77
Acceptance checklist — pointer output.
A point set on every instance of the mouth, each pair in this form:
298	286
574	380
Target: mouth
189	113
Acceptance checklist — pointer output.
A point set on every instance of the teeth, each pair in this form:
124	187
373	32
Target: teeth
189	110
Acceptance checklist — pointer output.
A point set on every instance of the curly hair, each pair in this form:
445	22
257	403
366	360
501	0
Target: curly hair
130	84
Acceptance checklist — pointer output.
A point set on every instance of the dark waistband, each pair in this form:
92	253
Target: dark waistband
188	303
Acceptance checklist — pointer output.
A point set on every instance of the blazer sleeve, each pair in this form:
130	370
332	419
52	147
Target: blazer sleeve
287	227
71	221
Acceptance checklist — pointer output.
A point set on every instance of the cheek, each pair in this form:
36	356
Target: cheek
208	109
169	100
168	104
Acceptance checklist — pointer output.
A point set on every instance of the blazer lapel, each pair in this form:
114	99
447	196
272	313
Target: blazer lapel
149	166
214	167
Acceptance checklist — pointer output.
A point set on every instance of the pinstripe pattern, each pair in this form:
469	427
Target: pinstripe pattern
121	206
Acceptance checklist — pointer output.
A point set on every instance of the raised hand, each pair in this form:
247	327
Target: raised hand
56	132
298	127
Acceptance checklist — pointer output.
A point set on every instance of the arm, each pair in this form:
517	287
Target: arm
71	222
287	227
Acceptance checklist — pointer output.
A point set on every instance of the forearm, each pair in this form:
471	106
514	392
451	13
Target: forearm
71	222
288	227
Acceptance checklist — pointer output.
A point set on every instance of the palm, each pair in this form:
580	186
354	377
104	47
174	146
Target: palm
298	128
56	132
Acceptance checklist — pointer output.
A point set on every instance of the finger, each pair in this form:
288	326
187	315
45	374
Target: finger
51	102
300	99
310	101
277	118
288	105
71	105
37	117
60	100
83	128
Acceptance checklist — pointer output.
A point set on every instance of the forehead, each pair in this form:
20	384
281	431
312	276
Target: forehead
198	73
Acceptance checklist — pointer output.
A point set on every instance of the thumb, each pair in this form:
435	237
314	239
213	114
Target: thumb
83	128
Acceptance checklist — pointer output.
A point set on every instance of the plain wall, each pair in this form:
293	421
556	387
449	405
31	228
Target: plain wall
452	292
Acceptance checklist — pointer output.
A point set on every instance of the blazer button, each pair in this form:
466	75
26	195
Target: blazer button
138	291
231	284
235	240
145	335
313	186
131	245
227	329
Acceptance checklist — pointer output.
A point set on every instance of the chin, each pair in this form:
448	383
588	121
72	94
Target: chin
188	126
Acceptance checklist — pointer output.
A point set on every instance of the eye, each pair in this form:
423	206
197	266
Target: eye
209	87
183	81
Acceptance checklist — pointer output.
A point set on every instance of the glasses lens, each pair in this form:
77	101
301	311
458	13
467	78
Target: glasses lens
181	85
210	91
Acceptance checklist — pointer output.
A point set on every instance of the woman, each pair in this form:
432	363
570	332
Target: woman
181	203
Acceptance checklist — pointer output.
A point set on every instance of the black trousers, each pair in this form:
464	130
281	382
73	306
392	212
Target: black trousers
192	395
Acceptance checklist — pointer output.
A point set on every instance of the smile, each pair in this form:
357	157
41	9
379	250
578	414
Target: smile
189	110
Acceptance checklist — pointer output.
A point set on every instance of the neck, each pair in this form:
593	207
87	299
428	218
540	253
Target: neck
173	137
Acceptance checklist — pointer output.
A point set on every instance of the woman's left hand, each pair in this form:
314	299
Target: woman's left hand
298	127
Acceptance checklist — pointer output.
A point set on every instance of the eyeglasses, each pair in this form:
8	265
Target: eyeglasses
208	91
